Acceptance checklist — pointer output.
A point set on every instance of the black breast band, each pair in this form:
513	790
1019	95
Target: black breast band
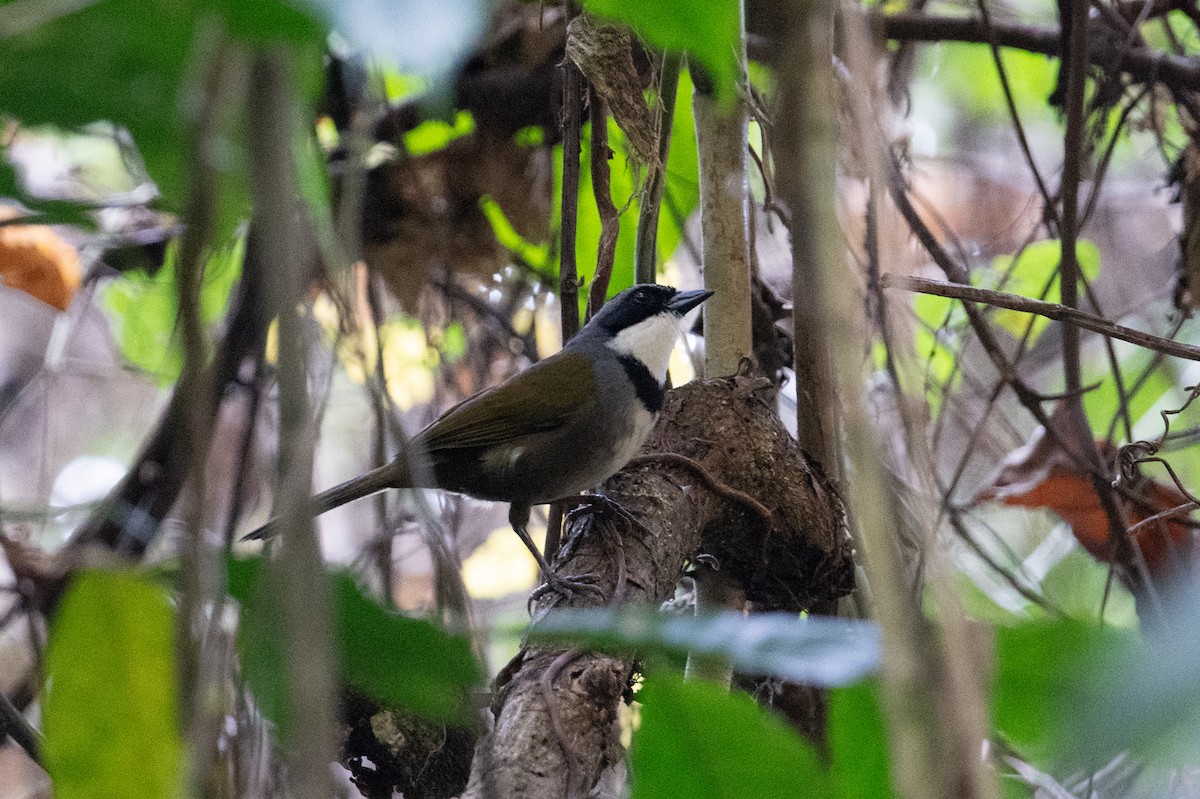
649	390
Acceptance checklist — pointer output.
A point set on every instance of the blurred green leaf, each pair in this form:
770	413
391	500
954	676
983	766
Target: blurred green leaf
1103	403
698	739
818	650
858	743
1142	699
144	309
536	255
434	134
1038	687
401	662
1028	272
707	30
110	711
127	62
966	74
454	342
1077	584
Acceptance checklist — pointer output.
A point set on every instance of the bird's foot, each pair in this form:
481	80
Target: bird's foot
602	504
567	587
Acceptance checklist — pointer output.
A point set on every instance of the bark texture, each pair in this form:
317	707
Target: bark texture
798	558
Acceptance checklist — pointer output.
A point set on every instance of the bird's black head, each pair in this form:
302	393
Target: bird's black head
641	302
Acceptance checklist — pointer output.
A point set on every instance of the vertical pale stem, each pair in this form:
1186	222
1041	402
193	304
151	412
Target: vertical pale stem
724	215
807	133
299	580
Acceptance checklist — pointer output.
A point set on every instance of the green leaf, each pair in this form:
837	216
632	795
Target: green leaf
1038	681
110	712
434	134
127	62
817	650
1027	273
858	743
144	309
536	255
707	30
698	739
404	663
966	76
1142	699
1077	585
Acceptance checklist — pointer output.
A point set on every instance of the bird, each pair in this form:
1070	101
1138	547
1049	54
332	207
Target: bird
552	431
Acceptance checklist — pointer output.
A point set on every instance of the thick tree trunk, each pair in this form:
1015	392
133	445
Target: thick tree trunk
799	557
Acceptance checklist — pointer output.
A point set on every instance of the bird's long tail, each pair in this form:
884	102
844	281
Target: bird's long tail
393	475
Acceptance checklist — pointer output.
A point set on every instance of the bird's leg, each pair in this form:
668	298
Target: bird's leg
518	517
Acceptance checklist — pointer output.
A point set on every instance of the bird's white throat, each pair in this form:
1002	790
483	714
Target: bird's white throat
651	341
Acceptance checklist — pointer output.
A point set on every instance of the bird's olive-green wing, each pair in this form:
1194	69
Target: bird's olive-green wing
541	398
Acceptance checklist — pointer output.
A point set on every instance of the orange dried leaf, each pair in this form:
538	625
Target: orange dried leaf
36	260
1040	474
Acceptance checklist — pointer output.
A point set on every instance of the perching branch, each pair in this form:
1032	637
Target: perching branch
800	561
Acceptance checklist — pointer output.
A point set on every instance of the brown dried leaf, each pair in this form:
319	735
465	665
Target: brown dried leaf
1040	474
36	260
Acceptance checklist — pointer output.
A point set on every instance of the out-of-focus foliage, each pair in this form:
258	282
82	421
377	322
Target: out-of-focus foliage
681	196
858	743
1144	699
698	739
402	662
127	62
707	31
111	708
1039	672
144	308
817	650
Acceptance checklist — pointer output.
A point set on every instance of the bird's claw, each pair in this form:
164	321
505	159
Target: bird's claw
602	504
567	586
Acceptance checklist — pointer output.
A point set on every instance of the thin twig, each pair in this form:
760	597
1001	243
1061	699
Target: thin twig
568	273
1050	310
15	726
646	248
610	221
1048	206
1180	72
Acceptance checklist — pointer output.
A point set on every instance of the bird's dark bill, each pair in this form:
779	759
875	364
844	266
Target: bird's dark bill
685	301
